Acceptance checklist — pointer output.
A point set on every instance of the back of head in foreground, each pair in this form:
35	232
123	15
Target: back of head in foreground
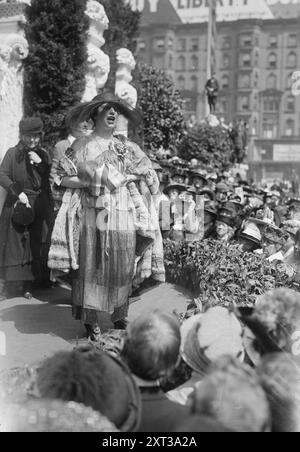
152	346
279	313
280	377
231	394
95	379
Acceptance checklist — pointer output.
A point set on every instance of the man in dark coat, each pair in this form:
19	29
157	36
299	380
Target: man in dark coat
24	174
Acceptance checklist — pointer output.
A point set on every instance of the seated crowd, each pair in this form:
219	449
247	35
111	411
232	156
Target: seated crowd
217	371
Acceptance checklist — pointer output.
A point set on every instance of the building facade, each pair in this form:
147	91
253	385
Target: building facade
258	51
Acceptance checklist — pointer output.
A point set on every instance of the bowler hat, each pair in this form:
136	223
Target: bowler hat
31	126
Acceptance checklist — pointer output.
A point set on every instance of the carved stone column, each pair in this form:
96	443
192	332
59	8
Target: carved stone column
98	61
124	90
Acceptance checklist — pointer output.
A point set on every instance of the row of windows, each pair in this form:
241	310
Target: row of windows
245	81
193	44
245	61
270	128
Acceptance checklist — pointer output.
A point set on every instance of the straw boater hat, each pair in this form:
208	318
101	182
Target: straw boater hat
85	111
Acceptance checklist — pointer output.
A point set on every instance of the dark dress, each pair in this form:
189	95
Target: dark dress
21	249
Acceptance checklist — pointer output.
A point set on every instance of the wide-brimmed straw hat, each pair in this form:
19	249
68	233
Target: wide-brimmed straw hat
84	111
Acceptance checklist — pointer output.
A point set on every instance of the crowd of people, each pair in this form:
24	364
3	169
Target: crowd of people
95	212
198	205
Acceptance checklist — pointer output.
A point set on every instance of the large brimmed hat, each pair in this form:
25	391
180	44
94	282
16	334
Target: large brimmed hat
251	232
198	173
84	111
209	192
211	208
180	187
227	214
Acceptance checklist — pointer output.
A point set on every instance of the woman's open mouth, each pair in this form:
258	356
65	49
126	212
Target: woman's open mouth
111	119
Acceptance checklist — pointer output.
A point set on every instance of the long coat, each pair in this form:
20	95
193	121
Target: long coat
17	247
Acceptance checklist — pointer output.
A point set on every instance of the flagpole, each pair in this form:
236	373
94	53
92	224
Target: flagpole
211	38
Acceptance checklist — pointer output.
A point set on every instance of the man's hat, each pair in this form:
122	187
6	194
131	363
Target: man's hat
31	126
84	111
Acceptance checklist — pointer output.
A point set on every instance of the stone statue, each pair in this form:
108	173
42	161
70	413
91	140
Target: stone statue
13	51
124	90
98	61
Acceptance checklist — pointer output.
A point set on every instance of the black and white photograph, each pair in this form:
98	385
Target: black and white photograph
149	219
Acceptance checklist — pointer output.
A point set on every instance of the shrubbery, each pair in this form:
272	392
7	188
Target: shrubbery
55	69
162	108
212	146
222	274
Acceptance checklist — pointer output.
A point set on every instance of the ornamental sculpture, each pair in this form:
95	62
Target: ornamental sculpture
98	62
13	51
124	90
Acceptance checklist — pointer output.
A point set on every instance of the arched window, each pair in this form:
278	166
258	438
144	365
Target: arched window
181	63
194	63
272	60
290	128
290	104
181	83
271	81
292	60
194	83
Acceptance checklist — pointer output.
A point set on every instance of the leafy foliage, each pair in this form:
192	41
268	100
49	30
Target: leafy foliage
55	69
212	146
123	31
222	274
161	104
